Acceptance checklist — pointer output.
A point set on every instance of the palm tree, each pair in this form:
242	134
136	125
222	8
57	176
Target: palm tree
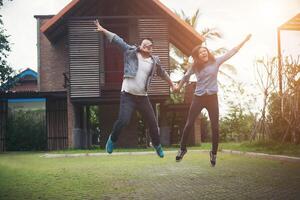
180	61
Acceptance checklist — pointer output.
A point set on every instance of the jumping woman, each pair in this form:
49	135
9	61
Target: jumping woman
205	67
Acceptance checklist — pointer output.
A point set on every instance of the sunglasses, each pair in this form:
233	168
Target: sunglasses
148	46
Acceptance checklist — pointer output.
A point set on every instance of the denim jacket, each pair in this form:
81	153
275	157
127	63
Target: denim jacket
131	60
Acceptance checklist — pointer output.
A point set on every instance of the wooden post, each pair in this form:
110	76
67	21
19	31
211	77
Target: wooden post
3	123
280	68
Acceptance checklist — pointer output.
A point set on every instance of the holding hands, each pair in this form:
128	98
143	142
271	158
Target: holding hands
175	88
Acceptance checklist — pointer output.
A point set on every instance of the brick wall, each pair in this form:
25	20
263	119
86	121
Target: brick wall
53	61
32	86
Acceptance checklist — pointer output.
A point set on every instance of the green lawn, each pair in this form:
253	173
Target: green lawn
29	176
270	148
264	147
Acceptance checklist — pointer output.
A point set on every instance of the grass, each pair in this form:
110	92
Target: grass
30	176
264	147
261	147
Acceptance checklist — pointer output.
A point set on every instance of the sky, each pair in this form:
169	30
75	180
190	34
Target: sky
234	18
237	18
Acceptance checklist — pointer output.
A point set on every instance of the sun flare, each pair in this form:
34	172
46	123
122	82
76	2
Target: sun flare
269	12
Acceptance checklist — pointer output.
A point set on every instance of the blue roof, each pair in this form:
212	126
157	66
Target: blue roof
27	72
9	84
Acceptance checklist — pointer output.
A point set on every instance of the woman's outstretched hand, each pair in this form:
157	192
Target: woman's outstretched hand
248	37
244	41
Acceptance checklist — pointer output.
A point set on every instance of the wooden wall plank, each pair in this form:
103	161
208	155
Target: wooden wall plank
86	59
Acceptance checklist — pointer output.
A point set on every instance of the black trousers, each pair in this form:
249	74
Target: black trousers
210	102
130	103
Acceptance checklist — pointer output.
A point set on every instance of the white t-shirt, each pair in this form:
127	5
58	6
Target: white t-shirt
137	85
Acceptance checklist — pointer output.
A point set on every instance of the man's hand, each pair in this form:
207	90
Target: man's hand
99	27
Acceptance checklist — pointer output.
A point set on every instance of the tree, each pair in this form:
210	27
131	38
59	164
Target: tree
291	98
280	115
236	125
180	62
266	69
5	70
207	33
278	125
238	122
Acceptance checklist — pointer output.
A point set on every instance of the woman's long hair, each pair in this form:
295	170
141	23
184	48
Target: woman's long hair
198	64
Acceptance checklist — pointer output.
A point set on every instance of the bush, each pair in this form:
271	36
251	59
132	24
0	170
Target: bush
26	131
279	126
236	126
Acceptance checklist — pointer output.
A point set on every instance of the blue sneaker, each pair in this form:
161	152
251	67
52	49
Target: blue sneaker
109	145
159	151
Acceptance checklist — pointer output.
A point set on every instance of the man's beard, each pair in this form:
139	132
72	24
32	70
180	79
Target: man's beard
148	53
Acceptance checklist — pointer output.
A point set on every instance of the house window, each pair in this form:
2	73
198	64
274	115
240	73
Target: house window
113	56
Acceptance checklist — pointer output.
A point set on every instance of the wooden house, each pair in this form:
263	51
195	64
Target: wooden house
78	64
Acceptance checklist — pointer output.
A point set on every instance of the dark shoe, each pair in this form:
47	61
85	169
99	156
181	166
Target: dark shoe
109	145
213	158
159	151
180	154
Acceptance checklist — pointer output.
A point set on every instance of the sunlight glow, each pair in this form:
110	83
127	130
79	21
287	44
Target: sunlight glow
269	13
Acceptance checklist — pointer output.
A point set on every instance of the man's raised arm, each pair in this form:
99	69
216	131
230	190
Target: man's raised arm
112	37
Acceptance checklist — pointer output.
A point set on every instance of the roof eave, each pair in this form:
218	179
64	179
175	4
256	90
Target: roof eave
59	16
